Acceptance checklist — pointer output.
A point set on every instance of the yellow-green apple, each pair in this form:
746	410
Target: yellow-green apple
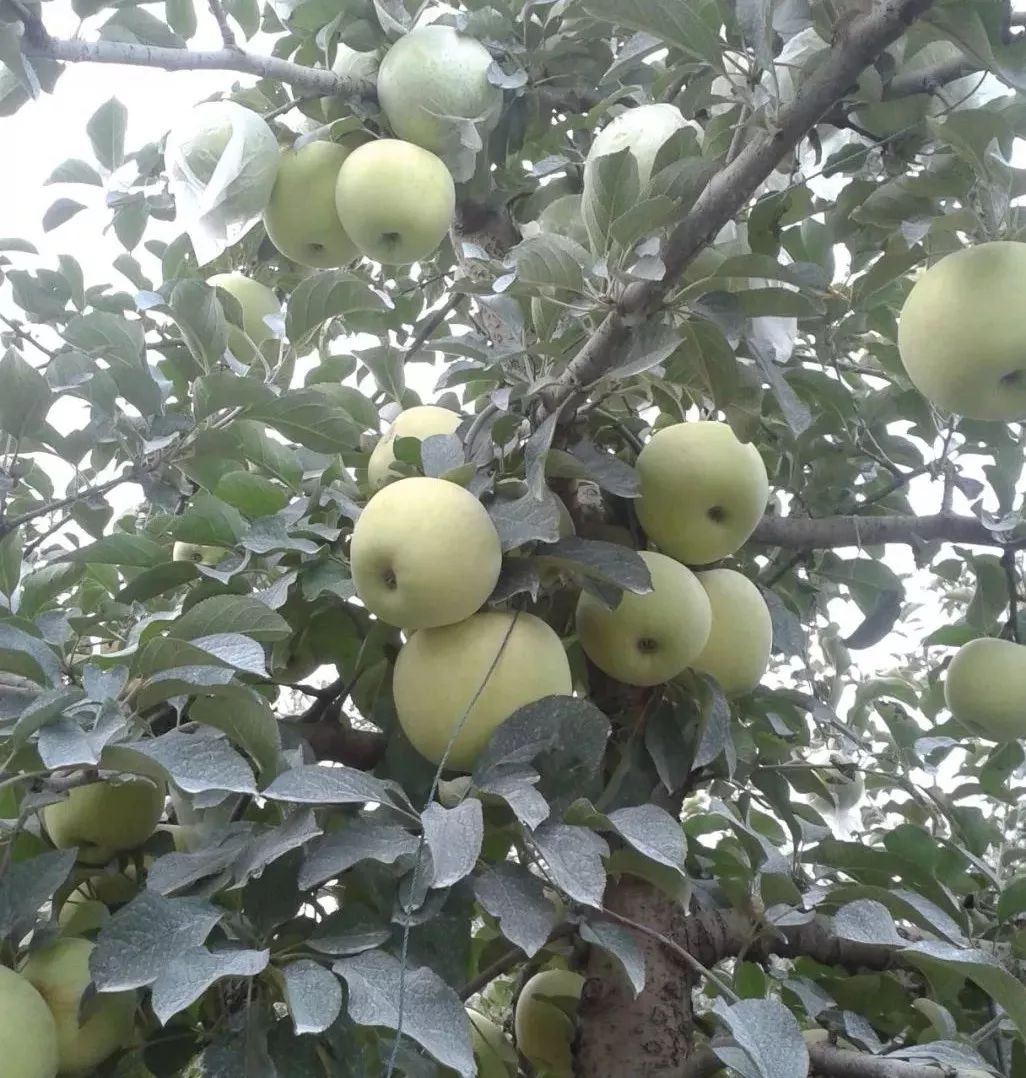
702	491
421	421
196	552
80	915
395	200
738	649
962	334
106	817
986	688
647	639
493	1054
257	302
301	219
28	1033
60	974
643	131
545	1020
431	77
424	553
475	673
361	68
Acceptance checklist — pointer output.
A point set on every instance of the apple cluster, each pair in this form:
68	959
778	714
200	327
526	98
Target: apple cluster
425	557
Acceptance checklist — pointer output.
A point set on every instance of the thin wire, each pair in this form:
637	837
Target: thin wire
407	909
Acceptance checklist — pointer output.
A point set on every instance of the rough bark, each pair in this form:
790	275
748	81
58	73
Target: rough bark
647	1037
834	1062
827	533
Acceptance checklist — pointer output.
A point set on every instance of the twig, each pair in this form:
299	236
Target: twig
1011	574
506	962
27	337
311	80
227	34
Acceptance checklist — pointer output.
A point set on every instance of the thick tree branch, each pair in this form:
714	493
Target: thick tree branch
833	1062
828	533
728	191
931	79
304	80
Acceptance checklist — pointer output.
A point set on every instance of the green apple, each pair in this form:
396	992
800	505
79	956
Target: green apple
106	817
647	639
702	491
545	1021
493	1054
80	915
88	906
257	302
28	1033
301	219
475	673
195	552
431	77
962	334
421	421
643	131
360	67
395	200
424	553
985	688
738	649
60	974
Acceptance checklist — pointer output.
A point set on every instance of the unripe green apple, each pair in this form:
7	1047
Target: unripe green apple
195	552
28	1033
424	553
106	817
643	131
647	639
421	421
738	649
395	200
493	1054
60	973
257	302
477	672
702	491
986	688
80	915
431	76
962	335
545	1020
301	219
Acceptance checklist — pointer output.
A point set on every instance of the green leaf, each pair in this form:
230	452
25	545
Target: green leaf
983	969
253	495
312	417
250	723
267	454
325	295
10	562
136	25
106	335
246	13
231	614
59	212
223	389
24	396
614	189
195	308
675	22
75	171
550	261
14	60
106	131
209	522
181	17
121	549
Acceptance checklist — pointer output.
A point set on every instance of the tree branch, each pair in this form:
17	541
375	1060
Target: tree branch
828	533
304	80
728	191
931	79
833	1062
227	34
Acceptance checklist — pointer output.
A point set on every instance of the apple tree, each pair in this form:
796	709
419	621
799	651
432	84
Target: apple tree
487	585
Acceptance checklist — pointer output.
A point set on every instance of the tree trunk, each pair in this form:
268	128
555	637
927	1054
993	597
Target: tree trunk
652	1036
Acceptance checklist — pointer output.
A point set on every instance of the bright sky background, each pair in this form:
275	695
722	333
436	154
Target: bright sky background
45	132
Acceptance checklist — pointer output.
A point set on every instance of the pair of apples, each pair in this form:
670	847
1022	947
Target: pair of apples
425	556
